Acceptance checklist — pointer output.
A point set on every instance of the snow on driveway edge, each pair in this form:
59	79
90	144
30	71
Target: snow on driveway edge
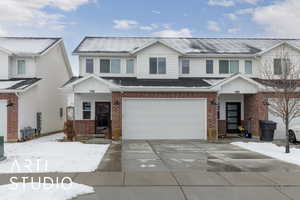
272	150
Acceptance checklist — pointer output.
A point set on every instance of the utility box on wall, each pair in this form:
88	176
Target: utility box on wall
2	148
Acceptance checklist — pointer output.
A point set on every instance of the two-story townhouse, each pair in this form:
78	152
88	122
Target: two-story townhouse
172	88
31	72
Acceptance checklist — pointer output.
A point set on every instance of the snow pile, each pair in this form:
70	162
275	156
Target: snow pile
37	191
48	155
272	150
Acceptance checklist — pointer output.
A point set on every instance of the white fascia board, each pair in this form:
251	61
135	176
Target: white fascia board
117	54
51	47
278	45
163	89
153	43
6	51
219	55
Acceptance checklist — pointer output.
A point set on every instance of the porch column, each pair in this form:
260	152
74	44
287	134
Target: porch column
116	124
256	110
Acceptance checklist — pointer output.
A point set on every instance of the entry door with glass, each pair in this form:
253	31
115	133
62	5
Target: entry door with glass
233	117
102	115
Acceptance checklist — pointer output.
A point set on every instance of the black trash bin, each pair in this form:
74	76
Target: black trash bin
267	130
2	148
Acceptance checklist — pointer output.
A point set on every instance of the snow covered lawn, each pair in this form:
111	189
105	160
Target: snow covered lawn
46	154
272	150
37	191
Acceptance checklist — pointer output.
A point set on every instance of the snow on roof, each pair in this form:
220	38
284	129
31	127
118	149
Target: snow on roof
26	45
17	84
187	45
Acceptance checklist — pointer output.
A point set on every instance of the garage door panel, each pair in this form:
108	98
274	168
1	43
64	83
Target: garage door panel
164	119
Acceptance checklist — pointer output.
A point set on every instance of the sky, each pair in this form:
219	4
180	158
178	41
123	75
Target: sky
74	19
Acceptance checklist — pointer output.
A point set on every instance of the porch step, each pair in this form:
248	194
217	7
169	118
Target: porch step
86	137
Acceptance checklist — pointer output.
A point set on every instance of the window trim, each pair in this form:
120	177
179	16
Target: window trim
246	67
189	66
157	65
18	66
83	110
229	69
86	65
110	59
282	69
133	64
207	66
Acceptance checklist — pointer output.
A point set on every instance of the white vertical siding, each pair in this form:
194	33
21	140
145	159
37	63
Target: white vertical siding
4	65
79	98
158	50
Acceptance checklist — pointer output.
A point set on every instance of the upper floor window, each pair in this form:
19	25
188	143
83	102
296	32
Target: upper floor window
157	65
110	66
228	66
185	66
21	67
130	66
280	65
248	67
89	65
209	66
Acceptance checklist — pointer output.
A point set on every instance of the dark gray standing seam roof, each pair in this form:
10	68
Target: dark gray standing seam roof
187	45
21	83
180	82
132	81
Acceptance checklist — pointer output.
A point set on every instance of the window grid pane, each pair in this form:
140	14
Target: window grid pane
21	67
185	66
234	66
161	65
277	67
86	110
209	67
248	67
130	66
115	66
224	67
89	66
104	66
153	65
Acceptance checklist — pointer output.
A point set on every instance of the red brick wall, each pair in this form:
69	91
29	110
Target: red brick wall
117	108
12	116
84	127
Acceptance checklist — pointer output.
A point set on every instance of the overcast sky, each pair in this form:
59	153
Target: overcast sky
74	19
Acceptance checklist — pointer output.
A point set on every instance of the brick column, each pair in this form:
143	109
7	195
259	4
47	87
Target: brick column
12	116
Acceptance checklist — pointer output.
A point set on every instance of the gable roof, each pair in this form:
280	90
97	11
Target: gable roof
17	84
153	43
27	46
188	46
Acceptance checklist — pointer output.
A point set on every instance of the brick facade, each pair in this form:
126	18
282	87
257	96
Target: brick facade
84	127
12	116
117	105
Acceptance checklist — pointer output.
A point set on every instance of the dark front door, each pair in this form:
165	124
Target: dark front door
233	117
102	117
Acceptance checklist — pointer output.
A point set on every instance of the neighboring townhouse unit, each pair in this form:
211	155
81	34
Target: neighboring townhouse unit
31	72
172	88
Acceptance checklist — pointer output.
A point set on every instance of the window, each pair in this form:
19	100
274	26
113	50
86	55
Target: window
228	66
86	110
209	66
21	67
248	67
61	112
130	66
185	68
157	65
234	66
280	65
115	66
223	66
89	65
110	66
104	66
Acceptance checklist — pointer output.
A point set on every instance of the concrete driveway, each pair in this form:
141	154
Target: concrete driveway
189	170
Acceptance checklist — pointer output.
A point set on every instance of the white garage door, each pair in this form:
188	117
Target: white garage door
280	127
164	118
3	118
